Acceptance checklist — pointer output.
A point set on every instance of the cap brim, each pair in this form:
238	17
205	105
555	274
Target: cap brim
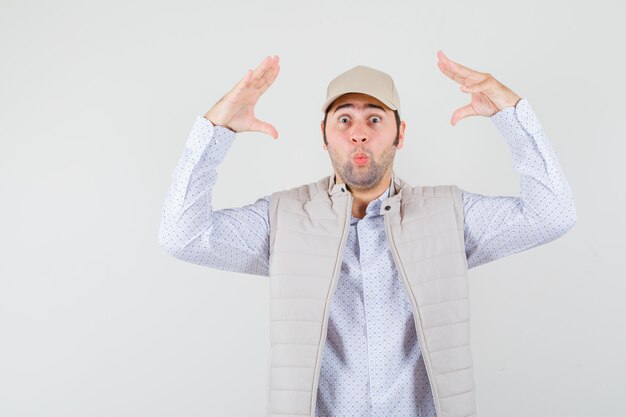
335	97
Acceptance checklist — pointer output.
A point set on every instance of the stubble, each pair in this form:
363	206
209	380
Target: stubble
363	177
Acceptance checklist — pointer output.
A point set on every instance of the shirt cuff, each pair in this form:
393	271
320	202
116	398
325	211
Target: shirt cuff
204	133
512	118
221	133
209	140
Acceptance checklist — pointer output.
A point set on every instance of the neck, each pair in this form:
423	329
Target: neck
361	198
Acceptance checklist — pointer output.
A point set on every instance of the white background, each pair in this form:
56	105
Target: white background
97	100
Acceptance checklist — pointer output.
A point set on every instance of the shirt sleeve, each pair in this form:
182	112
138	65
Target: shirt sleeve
231	239
497	226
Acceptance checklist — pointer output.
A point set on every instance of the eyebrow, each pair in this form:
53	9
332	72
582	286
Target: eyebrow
341	106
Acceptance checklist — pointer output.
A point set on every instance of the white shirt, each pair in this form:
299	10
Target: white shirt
372	364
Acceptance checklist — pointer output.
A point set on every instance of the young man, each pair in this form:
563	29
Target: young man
368	274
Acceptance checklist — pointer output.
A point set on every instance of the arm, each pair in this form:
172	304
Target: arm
497	226
233	239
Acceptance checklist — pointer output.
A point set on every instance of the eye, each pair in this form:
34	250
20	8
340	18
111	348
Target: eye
376	119
342	118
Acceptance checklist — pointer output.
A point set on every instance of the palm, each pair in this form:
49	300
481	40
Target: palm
481	105
244	119
235	110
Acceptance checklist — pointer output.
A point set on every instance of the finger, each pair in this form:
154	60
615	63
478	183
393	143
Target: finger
249	78
478	77
260	71
462	113
463	81
457	71
264	127
268	78
243	82
478	87
453	76
462	70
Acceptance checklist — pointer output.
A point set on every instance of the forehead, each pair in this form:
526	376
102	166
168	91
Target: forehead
358	100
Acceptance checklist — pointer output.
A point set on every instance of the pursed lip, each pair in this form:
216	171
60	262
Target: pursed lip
360	159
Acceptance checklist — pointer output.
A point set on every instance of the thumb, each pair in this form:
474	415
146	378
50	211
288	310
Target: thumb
462	113
264	127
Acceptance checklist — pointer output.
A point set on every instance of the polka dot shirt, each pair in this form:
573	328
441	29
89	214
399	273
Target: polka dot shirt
372	364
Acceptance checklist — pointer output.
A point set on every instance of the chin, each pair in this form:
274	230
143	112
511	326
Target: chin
364	183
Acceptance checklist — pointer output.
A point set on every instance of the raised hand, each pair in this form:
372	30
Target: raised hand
235	110
488	95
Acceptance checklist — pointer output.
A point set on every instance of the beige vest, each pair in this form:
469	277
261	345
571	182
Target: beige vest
424	228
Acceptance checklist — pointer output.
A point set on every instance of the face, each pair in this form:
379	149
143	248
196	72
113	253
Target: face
360	131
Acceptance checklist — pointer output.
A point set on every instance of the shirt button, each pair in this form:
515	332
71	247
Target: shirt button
343	189
387	208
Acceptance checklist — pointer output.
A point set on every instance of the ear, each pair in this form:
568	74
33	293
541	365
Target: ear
401	134
322	130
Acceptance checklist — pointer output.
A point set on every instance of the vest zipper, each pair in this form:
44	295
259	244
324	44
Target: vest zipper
335	280
416	316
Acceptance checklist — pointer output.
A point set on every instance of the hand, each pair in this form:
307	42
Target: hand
235	110
489	96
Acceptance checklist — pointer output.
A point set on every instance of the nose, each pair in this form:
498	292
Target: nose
358	134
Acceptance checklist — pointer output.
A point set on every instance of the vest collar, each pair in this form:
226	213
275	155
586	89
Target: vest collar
390	204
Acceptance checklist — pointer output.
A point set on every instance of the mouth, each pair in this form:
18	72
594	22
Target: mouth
360	158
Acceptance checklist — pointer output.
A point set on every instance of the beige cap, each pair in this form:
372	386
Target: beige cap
366	80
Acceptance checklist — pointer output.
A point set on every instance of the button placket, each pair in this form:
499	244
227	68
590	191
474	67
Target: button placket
368	230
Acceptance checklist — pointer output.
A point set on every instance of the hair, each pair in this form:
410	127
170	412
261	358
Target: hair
395	112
